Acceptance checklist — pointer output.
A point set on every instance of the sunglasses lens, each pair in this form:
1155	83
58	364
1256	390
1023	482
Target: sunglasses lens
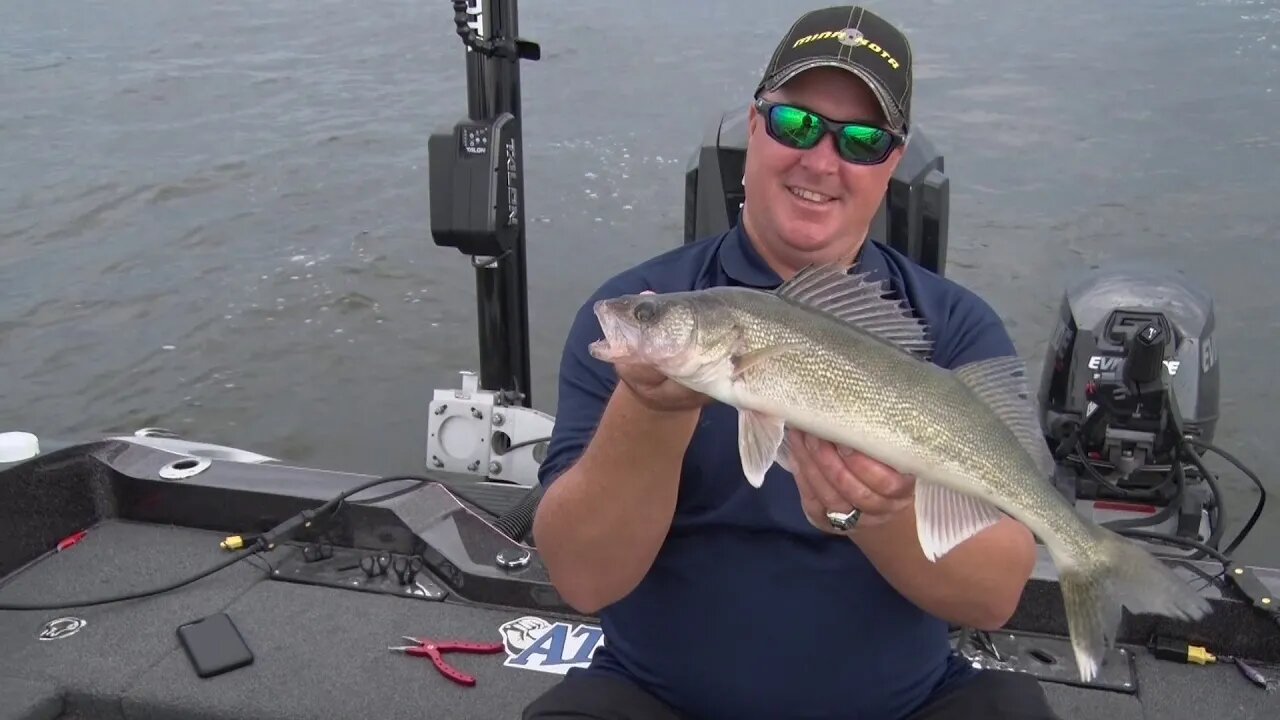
863	144
794	126
801	129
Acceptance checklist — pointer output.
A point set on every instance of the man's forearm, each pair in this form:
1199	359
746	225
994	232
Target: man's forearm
978	583
601	523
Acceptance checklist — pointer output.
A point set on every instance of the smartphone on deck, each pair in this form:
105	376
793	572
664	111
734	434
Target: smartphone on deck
214	645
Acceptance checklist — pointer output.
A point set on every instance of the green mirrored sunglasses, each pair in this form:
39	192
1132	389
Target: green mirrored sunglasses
800	128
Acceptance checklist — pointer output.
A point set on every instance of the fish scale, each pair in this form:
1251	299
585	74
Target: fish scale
830	353
843	374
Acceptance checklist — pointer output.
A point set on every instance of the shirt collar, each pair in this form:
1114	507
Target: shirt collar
743	263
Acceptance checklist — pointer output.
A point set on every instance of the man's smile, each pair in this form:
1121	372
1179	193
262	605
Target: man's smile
809	195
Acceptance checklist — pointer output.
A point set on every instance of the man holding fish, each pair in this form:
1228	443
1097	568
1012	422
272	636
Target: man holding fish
778	482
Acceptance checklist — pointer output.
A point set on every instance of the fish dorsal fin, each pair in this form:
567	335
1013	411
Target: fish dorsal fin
1001	383
860	302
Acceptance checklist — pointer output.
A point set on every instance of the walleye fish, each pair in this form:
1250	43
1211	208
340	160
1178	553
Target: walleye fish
829	353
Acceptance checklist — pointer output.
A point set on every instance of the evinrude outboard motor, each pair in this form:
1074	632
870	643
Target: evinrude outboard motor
1130	372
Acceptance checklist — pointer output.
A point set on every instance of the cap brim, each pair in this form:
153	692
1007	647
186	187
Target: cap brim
887	105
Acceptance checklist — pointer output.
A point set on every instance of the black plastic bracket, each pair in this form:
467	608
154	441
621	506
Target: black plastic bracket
342	568
1249	584
475	202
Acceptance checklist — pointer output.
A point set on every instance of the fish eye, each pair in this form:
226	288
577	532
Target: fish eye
645	310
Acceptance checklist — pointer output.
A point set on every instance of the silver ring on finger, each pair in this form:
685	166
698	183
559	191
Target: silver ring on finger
844	522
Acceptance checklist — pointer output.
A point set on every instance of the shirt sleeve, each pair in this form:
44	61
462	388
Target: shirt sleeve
585	385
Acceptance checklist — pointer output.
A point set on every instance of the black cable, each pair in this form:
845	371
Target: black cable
1218	580
1092	471
490	47
517	522
377	499
467	497
1079	430
1169	510
524	443
240	555
1183	448
1176	540
1178	475
268	570
1219	503
293	525
265	541
1262	491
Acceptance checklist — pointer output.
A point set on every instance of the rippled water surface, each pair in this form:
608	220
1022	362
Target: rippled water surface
213	216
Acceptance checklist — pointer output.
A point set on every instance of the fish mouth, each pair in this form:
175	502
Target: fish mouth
621	340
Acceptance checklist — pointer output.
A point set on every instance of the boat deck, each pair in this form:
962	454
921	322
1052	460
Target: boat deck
322	652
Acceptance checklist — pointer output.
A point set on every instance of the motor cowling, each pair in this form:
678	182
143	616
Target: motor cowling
1139	343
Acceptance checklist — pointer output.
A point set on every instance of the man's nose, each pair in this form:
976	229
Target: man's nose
823	157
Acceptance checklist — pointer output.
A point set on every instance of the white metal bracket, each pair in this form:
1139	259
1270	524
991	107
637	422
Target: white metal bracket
472	431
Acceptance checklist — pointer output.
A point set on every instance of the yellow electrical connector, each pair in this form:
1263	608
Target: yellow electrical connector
1199	655
1183	652
234	542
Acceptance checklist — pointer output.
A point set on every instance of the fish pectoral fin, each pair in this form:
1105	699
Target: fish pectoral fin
945	518
759	437
784	454
747	360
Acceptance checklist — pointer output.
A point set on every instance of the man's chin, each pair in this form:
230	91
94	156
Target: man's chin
807	225
809	239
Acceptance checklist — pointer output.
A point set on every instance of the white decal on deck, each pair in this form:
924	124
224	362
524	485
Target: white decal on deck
61	628
532	643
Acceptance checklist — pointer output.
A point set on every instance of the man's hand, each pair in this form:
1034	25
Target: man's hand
978	583
656	391
832	479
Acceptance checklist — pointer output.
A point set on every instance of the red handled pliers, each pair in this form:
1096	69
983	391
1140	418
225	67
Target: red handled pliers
436	650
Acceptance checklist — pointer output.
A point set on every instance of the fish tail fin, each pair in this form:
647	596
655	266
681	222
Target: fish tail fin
1120	574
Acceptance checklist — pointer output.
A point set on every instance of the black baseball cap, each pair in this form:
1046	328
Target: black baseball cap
855	39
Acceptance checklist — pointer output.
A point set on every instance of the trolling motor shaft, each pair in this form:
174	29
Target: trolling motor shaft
477	190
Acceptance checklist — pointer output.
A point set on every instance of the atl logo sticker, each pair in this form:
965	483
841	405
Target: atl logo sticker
532	643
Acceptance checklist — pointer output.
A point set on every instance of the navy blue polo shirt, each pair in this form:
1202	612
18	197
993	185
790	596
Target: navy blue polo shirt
748	611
